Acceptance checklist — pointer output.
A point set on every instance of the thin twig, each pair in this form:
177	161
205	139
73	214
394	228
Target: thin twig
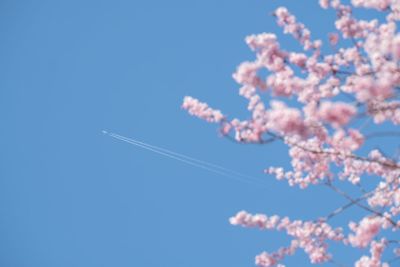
337	190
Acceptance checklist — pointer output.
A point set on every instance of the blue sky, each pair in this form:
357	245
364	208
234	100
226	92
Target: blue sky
71	196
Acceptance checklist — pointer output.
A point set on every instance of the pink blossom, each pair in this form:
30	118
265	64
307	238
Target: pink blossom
246	74
298	59
382	111
324	3
395	47
286	120
365	231
376	255
262	41
333	38
268	52
296	29
265	260
201	110
336	113
377	4
310	236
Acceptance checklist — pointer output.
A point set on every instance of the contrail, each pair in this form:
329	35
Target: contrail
189	160
201	162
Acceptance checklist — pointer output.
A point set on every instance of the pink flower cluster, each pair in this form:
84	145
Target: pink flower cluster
385	111
309	236
201	110
377	4
297	30
266	259
365	231
376	250
337	114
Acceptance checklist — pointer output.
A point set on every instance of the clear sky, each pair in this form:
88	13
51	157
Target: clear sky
71	196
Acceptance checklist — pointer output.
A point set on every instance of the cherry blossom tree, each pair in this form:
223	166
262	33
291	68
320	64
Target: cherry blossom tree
319	105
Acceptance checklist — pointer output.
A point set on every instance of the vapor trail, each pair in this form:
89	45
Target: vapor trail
188	160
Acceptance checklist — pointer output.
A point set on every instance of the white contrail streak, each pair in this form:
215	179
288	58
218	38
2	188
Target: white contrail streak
188	160
201	162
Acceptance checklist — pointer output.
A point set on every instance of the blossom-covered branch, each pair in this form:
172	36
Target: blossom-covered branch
319	105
